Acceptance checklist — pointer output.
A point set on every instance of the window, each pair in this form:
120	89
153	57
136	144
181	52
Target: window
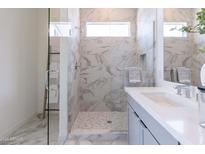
108	29
172	29
60	29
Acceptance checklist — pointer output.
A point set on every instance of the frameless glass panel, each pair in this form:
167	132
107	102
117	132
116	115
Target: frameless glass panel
61	73
57	30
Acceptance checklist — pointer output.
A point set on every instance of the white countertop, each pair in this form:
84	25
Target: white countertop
180	121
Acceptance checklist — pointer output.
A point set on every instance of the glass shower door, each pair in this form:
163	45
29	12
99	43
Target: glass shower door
60	70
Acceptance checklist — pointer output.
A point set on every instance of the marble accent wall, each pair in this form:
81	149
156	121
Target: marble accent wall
103	60
178	51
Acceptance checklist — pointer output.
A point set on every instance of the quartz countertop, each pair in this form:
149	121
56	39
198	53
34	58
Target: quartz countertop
181	121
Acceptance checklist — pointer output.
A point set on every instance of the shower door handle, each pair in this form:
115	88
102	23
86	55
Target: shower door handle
76	66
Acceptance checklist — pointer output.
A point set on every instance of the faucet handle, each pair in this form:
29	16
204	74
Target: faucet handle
188	93
179	89
184	87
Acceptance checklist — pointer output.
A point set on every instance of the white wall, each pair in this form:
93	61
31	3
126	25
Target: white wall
18	66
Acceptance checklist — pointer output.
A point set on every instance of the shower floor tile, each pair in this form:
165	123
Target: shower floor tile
100	122
99	128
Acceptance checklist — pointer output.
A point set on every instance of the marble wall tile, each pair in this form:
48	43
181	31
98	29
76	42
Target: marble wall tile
103	61
178	51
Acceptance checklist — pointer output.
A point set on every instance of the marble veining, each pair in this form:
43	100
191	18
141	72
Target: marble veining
89	128
178	51
34	132
98	139
103	61
99	128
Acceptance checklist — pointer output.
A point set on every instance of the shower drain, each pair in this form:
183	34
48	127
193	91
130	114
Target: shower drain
109	121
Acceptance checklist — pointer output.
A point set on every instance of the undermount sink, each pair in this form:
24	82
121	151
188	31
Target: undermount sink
163	98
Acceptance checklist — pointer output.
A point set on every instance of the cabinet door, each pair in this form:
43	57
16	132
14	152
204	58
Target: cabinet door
134	128
148	139
157	130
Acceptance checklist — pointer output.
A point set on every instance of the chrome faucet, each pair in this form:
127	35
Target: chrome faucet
184	87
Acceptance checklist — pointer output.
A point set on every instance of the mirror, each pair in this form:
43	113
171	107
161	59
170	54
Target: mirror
182	56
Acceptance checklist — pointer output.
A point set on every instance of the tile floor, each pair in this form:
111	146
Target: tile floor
99	128
96	128
34	132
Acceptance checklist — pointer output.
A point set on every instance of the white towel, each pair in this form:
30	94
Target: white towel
134	75
54	70
184	75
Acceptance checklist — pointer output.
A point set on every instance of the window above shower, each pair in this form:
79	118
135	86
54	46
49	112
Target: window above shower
172	29
108	29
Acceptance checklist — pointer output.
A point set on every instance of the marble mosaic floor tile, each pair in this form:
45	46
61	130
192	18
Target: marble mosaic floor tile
99	128
100	122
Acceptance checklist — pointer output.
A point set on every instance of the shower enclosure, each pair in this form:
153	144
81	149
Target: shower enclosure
68	72
91	73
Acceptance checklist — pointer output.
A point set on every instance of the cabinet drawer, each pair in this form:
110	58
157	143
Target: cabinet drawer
159	132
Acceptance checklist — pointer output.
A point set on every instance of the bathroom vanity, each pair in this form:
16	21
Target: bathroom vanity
157	116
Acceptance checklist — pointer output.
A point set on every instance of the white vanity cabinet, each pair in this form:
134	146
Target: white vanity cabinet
138	134
148	138
143	129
